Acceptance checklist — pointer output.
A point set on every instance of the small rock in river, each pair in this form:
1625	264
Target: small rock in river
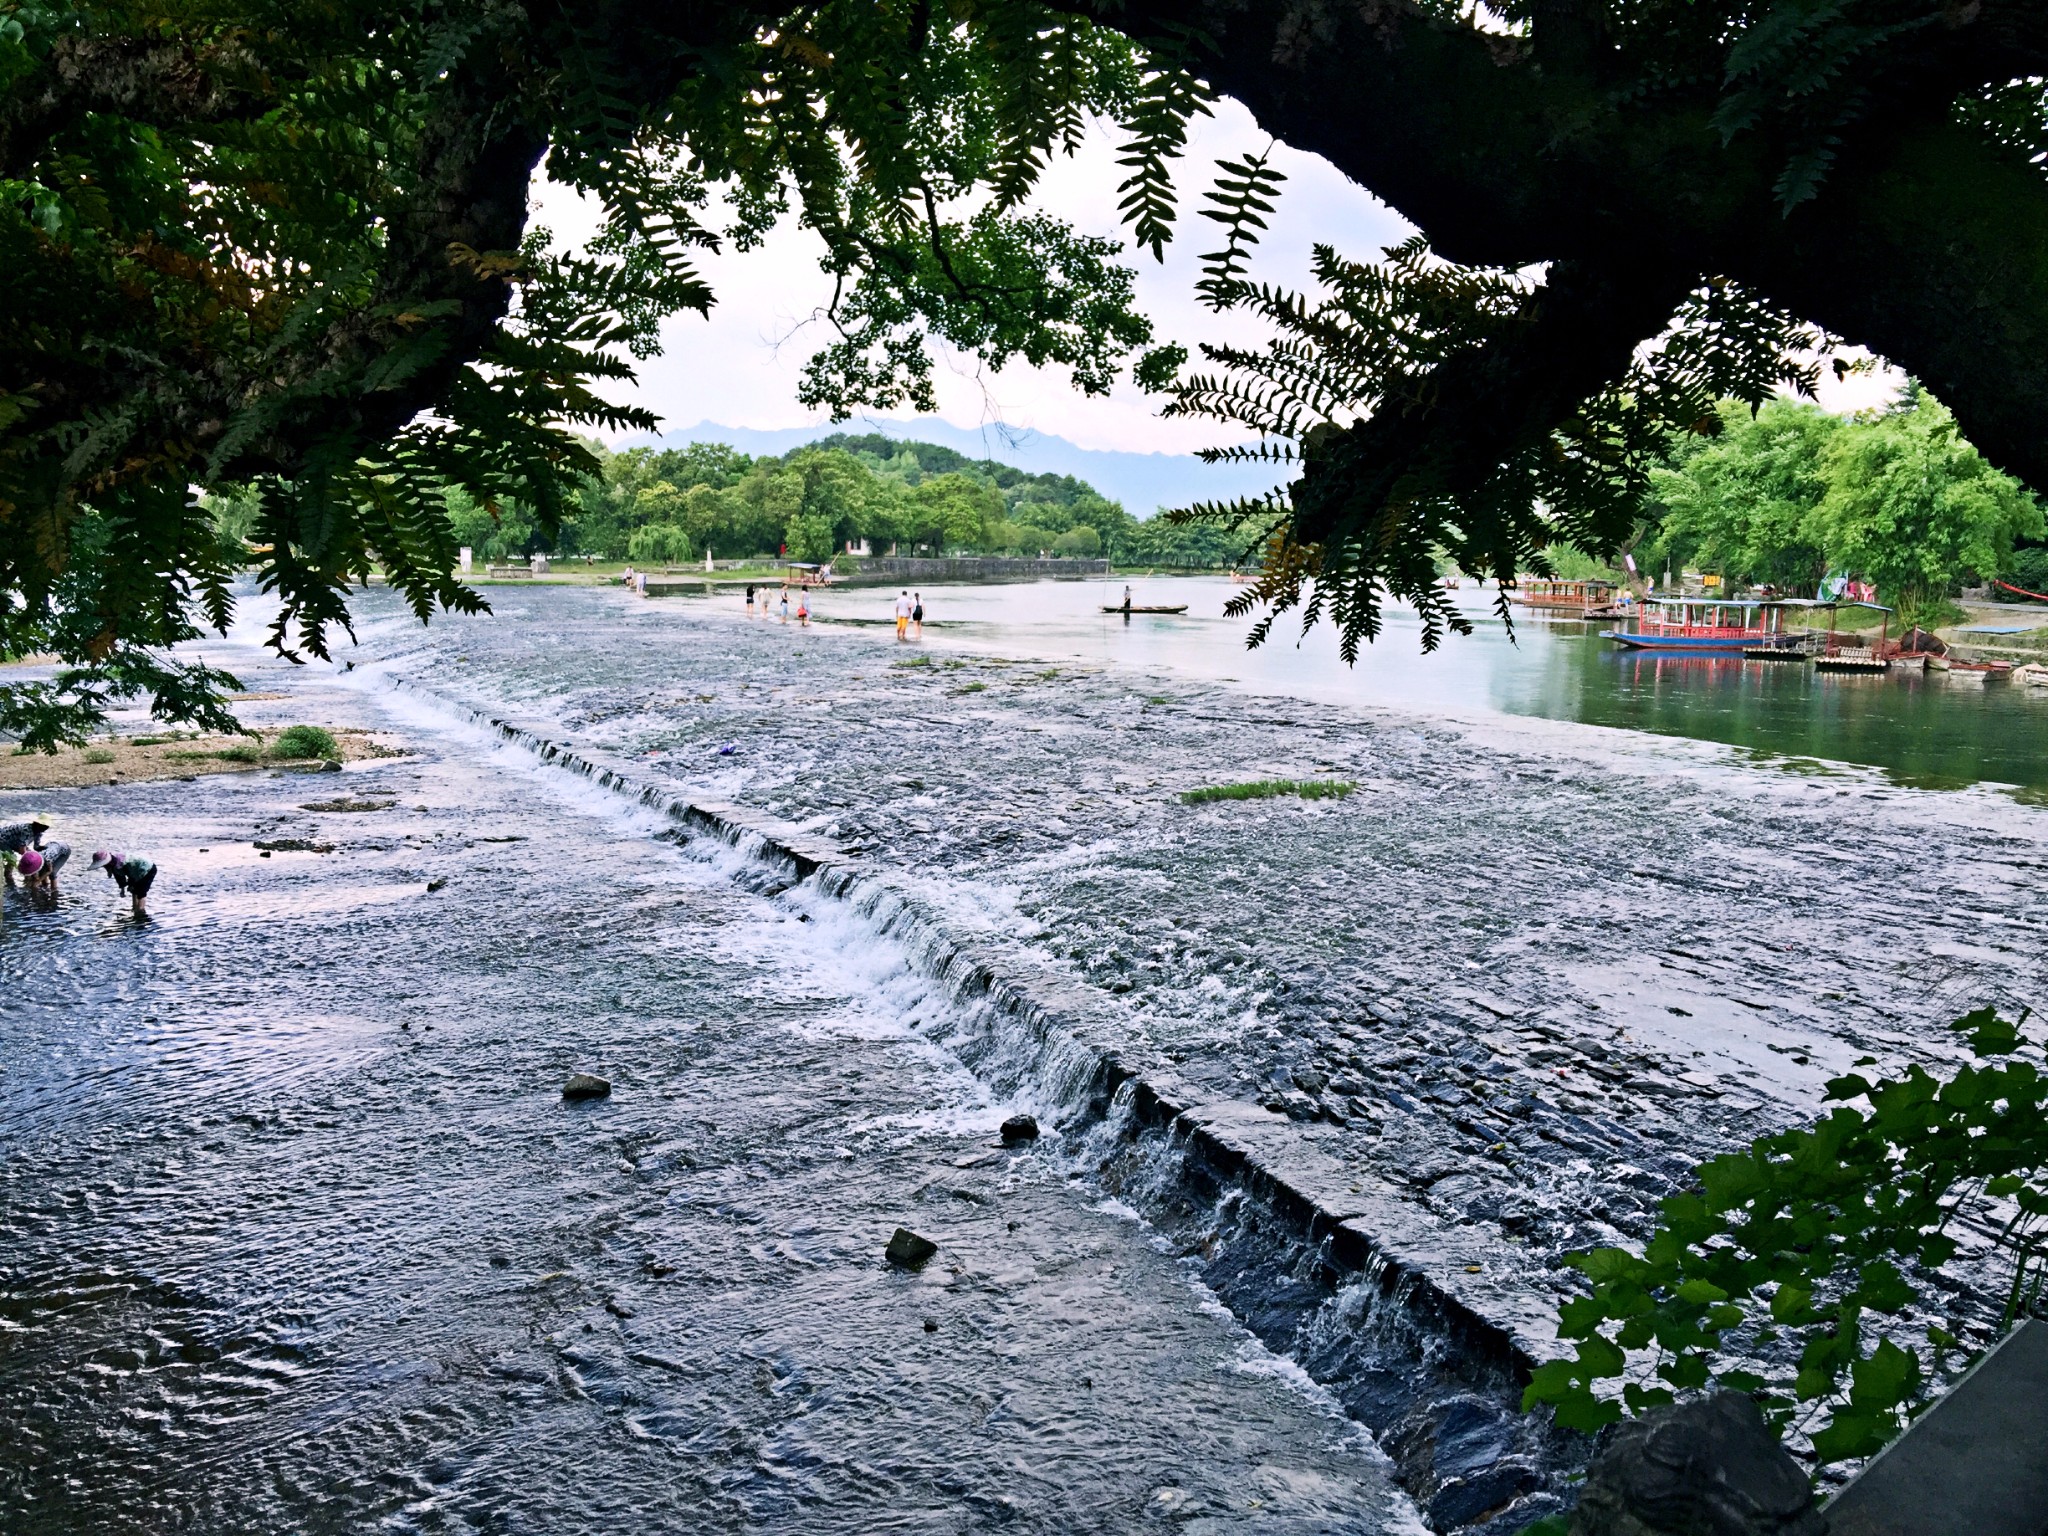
907	1250
1018	1129
930	1326
584	1086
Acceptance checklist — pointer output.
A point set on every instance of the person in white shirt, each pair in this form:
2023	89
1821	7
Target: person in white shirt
903	607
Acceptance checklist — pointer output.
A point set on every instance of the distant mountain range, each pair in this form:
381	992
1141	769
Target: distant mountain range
1143	482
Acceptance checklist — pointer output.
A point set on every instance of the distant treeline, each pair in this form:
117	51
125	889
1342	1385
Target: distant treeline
669	505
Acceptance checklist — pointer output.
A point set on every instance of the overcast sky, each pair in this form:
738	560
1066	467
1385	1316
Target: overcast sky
740	367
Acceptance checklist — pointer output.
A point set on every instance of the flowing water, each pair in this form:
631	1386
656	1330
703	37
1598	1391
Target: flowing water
296	1231
299	1232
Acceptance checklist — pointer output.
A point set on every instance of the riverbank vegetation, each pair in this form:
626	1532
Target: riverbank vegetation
1270	789
1790	494
113	760
672	505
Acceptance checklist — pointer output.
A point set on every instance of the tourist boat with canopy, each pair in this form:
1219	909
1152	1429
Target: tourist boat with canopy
1573	597
1713	625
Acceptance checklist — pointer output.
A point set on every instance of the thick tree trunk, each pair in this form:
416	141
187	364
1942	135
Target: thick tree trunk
1924	245
1935	256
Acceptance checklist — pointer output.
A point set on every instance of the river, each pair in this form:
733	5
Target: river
299	1232
1922	729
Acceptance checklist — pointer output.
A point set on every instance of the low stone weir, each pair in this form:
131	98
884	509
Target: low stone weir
1390	1309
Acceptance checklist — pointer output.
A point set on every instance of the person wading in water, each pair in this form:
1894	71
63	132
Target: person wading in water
132	876
19	839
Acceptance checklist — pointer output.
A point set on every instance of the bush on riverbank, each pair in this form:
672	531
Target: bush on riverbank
301	741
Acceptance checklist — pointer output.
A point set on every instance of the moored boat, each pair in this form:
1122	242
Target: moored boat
1728	626
1971	671
1577	598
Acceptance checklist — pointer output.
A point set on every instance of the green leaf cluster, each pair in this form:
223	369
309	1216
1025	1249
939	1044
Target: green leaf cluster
1787	1272
278	252
1373	344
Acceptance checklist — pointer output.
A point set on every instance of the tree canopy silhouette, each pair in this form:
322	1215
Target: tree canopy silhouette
286	249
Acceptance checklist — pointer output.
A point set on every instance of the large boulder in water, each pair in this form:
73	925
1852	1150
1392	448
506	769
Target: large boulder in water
907	1250
1706	1468
1019	1129
584	1086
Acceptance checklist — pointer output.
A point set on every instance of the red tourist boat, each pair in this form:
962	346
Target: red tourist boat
1709	624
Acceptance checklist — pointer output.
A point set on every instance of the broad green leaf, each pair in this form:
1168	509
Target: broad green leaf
1884	1380
1853	1435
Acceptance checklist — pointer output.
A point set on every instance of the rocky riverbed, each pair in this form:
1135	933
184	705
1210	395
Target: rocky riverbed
1494	1003
1529	974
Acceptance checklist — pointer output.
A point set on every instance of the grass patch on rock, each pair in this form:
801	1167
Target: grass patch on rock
301	741
1270	789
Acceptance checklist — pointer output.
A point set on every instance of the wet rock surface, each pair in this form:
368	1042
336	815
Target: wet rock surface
1705	1468
1527	978
907	1250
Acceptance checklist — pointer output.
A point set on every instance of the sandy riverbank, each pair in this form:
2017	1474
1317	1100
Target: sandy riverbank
142	758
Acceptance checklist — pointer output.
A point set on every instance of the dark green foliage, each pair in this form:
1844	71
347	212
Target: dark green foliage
280	253
1786	1272
304	741
1373	344
2028	568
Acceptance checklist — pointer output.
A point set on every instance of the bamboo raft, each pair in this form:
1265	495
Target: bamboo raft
1153	608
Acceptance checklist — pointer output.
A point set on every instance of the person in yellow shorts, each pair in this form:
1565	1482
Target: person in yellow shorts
903	606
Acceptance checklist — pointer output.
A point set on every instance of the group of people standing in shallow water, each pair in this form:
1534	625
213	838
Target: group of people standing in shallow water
803	606
25	851
909	610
